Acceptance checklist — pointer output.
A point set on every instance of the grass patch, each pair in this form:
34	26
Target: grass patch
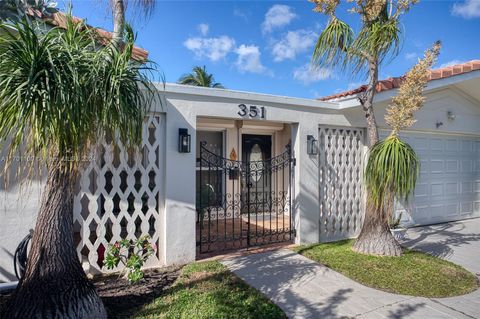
414	273
210	290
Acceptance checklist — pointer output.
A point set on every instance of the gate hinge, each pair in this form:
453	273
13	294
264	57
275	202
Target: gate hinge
294	161
294	232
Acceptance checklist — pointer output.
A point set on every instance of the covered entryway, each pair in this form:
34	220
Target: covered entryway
448	188
243	203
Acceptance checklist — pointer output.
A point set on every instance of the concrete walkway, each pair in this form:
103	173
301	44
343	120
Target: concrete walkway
306	289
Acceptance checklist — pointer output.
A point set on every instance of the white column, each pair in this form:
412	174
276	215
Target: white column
178	222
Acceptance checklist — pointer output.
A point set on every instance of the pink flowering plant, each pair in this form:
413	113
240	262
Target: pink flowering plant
132	254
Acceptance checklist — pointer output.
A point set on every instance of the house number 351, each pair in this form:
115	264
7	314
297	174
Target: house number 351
251	111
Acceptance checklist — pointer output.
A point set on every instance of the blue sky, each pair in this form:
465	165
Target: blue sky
265	46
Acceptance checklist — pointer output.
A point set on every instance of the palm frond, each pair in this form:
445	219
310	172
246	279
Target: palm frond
333	44
379	39
199	77
59	92
392	171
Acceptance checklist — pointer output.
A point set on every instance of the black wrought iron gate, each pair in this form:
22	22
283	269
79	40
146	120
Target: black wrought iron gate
243	203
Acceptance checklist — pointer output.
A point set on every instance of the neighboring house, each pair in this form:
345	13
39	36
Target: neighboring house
223	169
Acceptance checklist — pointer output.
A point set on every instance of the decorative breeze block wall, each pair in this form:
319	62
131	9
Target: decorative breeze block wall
119	196
341	154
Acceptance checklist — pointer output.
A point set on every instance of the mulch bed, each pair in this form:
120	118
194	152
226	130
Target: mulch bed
122	299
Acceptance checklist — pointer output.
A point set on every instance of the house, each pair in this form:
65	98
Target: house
222	169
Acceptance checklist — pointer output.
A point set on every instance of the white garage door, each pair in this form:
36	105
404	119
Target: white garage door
449	185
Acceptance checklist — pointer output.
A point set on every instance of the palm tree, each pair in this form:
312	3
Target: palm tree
393	166
119	8
377	39
199	77
58	94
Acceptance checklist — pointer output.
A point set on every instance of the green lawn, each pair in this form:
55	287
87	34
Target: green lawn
414	273
209	290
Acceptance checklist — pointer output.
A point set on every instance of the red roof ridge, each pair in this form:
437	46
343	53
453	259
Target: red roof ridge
60	19
394	82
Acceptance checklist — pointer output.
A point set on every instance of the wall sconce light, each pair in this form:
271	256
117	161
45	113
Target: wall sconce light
451	116
438	124
184	140
312	147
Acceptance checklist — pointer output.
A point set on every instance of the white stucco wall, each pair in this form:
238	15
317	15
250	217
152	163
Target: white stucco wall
19	201
183	106
439	100
186	104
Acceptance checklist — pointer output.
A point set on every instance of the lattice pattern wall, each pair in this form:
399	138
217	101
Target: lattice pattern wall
340	171
119	196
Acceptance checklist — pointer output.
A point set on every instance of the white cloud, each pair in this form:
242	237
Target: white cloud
277	16
249	59
212	48
308	74
241	14
468	9
203	28
293	43
411	56
450	63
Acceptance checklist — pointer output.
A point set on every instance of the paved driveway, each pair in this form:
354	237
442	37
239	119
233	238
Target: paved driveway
306	289
458	242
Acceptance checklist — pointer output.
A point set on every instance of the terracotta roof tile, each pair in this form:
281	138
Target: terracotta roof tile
59	19
392	83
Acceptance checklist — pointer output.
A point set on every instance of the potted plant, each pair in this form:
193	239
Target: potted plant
397	230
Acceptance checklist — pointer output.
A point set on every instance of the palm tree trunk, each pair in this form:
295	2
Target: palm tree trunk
54	284
118	7
366	99
375	237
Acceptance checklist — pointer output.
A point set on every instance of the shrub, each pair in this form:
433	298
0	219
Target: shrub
132	254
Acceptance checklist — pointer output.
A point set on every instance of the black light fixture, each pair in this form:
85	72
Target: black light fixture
183	140
312	148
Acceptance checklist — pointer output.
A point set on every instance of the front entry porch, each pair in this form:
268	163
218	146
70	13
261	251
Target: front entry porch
243	203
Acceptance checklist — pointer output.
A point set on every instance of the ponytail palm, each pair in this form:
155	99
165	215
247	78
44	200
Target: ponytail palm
393	166
377	40
59	92
391	171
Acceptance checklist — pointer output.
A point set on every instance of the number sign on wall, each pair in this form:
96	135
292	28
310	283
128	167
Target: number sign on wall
252	111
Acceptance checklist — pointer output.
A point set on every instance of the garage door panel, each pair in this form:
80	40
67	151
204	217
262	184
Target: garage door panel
452	210
451	189
437	144
477	208
448	186
451	145
421	190
436	167
451	166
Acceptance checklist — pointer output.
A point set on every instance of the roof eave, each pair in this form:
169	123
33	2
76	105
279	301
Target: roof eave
352	100
251	97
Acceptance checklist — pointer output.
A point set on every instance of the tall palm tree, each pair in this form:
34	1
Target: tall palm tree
119	9
58	94
363	52
200	77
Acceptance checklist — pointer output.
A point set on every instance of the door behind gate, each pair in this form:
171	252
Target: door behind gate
243	203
